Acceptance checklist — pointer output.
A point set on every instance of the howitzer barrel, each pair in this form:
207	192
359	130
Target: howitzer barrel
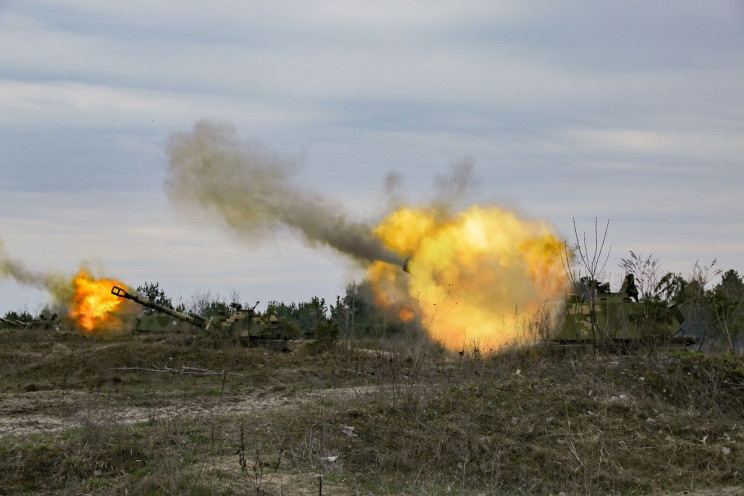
196	320
11	322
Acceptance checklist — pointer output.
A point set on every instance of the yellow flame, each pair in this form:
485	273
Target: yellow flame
474	277
93	306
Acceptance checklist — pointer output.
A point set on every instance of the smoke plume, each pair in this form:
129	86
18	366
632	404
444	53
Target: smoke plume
56	284
452	188
250	190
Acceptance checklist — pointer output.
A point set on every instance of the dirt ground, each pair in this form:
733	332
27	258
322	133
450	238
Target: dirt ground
167	415
48	412
723	491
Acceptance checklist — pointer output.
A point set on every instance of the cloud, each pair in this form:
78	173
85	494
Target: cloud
229	18
82	105
714	145
630	111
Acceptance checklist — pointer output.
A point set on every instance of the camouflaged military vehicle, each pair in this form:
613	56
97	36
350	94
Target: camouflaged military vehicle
45	321
246	325
11	324
595	315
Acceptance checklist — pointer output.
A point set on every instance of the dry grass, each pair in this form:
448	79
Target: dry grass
424	421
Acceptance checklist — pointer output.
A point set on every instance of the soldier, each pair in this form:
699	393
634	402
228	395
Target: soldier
629	288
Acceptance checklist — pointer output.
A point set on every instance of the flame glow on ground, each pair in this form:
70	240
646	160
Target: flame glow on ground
475	278
93	307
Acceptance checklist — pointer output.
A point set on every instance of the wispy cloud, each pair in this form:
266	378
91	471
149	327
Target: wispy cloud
632	111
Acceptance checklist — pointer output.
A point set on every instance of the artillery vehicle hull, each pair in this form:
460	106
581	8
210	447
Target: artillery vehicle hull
43	322
253	329
155	322
11	324
246	326
594	315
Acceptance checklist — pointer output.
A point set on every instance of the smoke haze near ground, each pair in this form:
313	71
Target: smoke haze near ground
249	189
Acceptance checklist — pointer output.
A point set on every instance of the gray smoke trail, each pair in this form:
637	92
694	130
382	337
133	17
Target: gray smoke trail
249	189
56	284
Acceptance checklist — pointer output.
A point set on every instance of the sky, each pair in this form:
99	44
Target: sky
628	112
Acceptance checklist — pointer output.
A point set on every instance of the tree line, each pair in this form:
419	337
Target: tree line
709	298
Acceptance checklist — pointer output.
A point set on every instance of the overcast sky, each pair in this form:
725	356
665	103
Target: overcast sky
630	111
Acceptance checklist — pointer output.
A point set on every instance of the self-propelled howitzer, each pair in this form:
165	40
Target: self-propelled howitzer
196	320
12	323
244	325
595	315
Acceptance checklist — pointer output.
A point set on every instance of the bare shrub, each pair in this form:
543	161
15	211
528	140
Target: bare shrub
592	260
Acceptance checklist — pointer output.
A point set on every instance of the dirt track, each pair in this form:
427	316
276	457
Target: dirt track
53	411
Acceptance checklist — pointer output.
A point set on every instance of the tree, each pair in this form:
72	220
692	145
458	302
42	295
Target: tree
699	313
352	312
671	288
22	316
326	332
356	315
306	315
204	304
727	299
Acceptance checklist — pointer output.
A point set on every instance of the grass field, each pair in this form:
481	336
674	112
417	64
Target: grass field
174	414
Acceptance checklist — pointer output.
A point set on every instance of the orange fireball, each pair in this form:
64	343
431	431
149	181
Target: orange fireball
475	278
93	306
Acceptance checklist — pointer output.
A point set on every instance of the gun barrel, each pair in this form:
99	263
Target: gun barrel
12	322
196	320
